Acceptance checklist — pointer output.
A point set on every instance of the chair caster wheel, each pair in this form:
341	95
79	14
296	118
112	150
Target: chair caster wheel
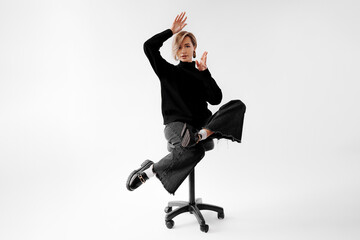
169	224
221	215
168	209
204	228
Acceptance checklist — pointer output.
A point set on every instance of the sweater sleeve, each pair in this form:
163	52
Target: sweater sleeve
152	51
212	91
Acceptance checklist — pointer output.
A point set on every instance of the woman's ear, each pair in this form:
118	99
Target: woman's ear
194	53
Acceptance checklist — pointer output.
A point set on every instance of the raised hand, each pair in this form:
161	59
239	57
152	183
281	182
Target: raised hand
202	64
179	23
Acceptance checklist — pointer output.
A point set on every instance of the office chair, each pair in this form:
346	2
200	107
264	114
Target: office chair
193	206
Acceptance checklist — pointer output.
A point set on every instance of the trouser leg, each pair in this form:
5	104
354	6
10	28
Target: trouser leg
173	169
228	121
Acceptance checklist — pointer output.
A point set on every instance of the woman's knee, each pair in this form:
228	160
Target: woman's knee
240	104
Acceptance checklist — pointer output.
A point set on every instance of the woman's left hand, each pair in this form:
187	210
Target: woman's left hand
202	64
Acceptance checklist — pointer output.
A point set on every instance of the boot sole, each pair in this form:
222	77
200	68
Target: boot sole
144	166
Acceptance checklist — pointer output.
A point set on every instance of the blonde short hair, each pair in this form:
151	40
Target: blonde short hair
178	40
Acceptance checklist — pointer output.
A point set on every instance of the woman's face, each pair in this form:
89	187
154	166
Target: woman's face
186	50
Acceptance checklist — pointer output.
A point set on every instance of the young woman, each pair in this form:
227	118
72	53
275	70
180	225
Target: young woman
185	92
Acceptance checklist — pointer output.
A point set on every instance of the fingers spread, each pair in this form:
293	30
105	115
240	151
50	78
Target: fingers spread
181	16
203	56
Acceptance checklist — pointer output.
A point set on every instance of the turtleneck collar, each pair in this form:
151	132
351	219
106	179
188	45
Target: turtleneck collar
187	64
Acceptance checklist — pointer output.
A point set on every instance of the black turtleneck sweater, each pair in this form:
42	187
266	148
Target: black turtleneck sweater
185	90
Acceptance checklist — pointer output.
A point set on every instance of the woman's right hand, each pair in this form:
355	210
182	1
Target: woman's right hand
179	23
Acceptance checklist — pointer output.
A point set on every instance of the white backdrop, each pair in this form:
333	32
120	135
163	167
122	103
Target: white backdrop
80	109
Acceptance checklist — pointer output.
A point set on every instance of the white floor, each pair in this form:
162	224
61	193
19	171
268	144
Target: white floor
258	204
